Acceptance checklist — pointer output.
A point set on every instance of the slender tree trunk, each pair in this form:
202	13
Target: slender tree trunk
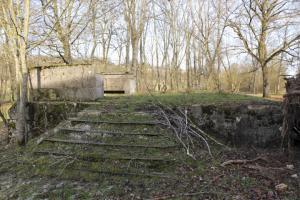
2	117
157	67
188	61
141	51
127	49
134	63
277	87
93	23
253	83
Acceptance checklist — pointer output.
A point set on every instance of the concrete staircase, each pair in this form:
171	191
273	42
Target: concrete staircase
112	148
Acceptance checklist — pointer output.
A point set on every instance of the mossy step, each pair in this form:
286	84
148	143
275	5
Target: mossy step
94	158
87	175
102	132
116	116
92	143
122	128
101	112
117	139
112	151
77	120
53	164
122	173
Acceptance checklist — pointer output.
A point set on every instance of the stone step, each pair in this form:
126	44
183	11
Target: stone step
110	151
61	163
85	142
124	173
99	113
117	139
76	120
102	132
93	158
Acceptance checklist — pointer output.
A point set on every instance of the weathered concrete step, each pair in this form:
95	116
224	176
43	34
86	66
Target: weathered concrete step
99	113
78	130
124	173
76	120
81	174
84	142
91	158
117	139
111	151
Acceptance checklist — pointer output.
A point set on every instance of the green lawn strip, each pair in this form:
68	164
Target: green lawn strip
181	99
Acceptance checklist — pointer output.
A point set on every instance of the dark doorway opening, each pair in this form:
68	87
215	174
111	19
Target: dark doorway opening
114	92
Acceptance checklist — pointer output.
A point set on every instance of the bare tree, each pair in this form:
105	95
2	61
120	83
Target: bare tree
135	17
256	22
68	19
15	23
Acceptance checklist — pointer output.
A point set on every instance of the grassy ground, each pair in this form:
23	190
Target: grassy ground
191	98
98	172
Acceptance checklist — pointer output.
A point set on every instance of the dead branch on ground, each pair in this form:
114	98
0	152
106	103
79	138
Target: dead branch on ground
186	132
241	161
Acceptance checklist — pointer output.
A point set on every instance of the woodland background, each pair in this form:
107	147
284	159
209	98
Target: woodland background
170	45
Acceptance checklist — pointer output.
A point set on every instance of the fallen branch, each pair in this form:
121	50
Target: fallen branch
172	196
261	168
193	125
241	162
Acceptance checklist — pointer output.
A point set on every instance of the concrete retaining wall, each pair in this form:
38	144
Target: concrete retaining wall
242	124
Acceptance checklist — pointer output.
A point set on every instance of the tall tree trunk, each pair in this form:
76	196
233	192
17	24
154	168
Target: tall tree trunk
21	117
134	56
266	86
67	50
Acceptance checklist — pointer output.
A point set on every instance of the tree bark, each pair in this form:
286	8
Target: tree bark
21	118
134	56
266	86
2	117
67	50
127	47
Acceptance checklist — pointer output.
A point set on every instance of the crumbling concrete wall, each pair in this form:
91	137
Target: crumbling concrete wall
68	82
291	110
256	125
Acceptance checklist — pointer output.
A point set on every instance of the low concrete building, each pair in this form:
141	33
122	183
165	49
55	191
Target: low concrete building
66	82
119	83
